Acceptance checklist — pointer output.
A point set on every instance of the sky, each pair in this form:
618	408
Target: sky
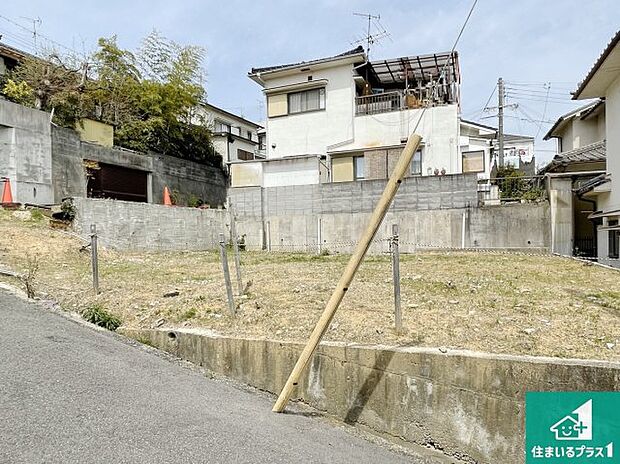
541	48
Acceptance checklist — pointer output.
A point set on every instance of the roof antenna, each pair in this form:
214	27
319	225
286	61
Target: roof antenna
35	22
372	37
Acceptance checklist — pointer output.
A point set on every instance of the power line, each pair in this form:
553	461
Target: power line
520	97
38	34
544	111
486	105
540	97
443	71
539	92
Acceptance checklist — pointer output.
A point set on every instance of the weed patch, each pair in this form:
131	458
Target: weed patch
97	315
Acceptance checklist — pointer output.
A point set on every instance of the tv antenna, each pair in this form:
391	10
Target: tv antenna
372	37
35	22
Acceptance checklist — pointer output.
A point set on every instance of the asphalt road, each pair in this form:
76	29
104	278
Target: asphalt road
69	394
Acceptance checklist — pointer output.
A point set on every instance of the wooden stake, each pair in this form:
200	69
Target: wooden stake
345	280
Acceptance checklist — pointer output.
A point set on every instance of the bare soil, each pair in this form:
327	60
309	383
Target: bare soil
494	302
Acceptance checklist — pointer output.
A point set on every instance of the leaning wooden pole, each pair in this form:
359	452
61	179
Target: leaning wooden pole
345	280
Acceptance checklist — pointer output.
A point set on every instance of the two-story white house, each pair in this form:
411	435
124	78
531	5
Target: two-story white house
603	82
234	137
345	118
479	149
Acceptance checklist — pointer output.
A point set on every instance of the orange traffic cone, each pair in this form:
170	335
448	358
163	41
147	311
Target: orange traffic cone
167	200
7	196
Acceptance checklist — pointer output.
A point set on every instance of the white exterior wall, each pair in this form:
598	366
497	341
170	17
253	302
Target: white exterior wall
585	132
209	116
612	121
337	128
472	143
290	172
313	132
610	201
578	133
439	129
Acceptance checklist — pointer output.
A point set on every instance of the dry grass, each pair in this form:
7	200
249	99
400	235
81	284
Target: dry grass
537	305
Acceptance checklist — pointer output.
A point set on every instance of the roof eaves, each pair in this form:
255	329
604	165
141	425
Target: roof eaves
232	115
477	124
359	50
588	107
601	59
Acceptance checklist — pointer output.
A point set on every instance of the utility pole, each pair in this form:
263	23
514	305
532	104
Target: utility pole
500	117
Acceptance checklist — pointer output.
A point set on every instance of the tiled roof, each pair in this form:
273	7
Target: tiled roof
610	46
581	111
355	51
593	153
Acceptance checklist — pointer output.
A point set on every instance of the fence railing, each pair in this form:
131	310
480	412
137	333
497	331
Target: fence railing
512	189
378	103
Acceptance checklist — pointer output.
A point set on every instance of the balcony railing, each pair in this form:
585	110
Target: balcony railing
378	103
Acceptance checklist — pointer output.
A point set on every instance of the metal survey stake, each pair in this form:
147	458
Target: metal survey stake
347	277
94	257
233	232
398	318
229	292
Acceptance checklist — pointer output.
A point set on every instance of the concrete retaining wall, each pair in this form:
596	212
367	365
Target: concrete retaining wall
432	212
519	227
25	154
141	226
468	405
185	177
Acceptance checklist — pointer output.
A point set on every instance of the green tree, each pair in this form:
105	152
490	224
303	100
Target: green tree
150	97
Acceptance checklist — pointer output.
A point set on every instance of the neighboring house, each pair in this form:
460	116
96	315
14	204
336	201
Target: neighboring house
603	82
580	136
343	118
580	127
9	57
479	148
234	137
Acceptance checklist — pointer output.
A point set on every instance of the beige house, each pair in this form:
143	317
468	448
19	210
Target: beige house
603	82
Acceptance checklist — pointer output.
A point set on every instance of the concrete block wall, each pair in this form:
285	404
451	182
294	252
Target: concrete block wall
432	212
415	193
125	225
25	153
470	406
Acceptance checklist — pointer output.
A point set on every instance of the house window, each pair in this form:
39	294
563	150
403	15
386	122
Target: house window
244	155
358	167
416	164
222	127
614	240
249	135
473	161
308	100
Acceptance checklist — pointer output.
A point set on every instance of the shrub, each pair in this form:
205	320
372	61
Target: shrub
97	315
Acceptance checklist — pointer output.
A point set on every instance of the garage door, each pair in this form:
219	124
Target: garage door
117	182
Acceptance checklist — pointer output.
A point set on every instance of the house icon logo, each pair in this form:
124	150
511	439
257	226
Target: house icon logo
576	425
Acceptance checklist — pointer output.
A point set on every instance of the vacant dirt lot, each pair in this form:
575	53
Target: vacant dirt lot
537	305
